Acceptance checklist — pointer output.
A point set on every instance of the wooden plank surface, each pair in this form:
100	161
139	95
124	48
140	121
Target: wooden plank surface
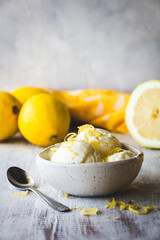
30	218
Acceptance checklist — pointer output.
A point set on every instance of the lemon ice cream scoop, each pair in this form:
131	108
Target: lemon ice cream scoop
125	154
100	139
76	152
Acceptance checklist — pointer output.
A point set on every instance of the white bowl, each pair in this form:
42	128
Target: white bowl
90	179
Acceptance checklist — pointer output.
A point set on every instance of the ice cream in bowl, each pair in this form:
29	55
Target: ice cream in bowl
90	163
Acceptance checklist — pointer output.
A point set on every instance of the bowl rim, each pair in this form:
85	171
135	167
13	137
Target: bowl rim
138	157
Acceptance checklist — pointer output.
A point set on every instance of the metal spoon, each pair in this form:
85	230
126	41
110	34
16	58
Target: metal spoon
23	181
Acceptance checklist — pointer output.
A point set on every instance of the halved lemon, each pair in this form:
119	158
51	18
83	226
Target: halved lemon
143	114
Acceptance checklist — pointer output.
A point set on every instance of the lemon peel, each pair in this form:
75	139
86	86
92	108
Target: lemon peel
90	131
90	211
21	194
114	218
122	205
70	137
69	145
86	212
66	195
132	208
85	127
146	210
111	204
74	208
113	151
68	142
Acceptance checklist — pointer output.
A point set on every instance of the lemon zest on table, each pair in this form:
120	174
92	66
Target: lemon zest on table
122	207
74	208
132	208
21	194
114	218
66	195
90	211
146	209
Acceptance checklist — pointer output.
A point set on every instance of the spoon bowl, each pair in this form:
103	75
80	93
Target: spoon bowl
20	178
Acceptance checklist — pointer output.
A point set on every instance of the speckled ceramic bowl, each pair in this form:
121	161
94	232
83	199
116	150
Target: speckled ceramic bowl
90	179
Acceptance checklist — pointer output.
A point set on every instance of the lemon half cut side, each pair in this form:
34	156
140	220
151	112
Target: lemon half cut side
143	114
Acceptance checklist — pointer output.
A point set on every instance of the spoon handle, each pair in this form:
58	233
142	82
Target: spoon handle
51	202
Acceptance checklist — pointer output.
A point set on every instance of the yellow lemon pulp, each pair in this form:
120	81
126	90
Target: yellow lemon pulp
9	110
23	93
44	120
143	114
147	114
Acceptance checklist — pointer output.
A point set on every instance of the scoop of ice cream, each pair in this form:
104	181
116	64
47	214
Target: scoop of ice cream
76	152
123	155
100	139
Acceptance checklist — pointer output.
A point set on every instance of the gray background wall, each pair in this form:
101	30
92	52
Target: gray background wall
69	44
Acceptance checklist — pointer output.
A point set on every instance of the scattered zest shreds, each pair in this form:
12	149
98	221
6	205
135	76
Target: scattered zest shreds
132	208
113	151
74	208
86	212
90	211
66	195
90	131
146	209
115	218
71	137
21	194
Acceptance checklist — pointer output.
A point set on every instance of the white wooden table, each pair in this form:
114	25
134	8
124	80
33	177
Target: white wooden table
30	218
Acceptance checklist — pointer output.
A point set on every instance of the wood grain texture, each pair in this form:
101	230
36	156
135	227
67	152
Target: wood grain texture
30	218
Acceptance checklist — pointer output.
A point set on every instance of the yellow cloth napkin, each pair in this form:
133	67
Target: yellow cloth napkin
102	108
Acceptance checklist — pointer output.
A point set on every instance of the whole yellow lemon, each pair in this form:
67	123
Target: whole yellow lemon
23	93
9	110
44	120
